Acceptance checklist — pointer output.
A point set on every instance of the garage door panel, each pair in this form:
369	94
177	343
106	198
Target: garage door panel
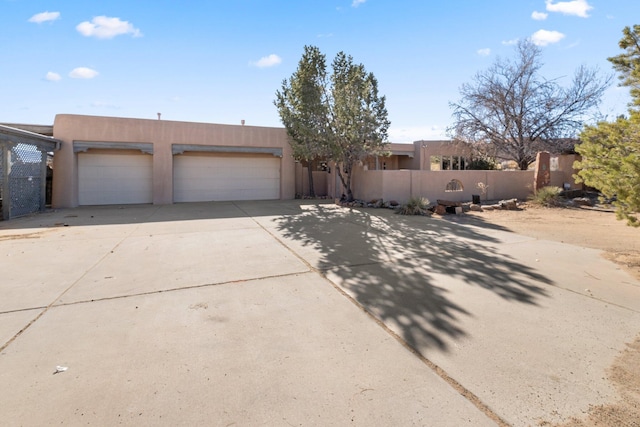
109	179
200	178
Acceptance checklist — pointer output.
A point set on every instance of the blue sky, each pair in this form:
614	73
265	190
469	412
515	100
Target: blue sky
222	61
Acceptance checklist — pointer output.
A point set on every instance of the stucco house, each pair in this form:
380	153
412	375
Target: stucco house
110	160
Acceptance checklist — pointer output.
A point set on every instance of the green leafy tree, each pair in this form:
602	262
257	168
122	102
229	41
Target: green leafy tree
341	118
303	109
611	150
510	111
358	118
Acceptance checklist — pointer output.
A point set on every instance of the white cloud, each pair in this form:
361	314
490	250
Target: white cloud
357	3
41	17
104	27
267	61
83	73
510	42
575	7
539	16
544	37
484	52
53	77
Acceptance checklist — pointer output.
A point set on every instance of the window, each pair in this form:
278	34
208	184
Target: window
436	163
454	185
446	163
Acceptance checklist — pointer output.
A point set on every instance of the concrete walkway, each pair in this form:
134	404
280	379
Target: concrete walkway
293	313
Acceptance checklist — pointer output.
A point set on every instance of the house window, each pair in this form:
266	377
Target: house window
455	163
436	163
446	163
454	185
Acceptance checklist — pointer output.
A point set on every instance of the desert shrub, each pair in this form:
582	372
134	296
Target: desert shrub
414	206
547	196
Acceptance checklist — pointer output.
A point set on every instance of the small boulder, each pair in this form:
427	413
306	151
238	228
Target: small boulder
511	204
440	210
448	203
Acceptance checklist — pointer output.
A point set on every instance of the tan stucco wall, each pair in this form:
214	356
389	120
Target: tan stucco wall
320	181
162	134
400	185
565	165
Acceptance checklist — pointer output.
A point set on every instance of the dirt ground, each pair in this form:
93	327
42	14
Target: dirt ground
621	244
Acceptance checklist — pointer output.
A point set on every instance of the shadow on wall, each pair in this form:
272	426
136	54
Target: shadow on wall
399	268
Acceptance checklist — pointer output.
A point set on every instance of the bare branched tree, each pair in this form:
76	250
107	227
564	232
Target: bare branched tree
511	112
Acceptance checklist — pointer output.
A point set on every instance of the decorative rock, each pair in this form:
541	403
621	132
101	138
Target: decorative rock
440	210
393	203
448	203
475	208
511	204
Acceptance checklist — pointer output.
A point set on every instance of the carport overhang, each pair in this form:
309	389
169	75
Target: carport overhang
15	136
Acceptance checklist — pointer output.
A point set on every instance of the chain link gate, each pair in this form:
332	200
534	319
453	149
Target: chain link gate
25	179
26	173
23	171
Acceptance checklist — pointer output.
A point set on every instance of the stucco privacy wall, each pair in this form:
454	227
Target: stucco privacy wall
402	184
162	135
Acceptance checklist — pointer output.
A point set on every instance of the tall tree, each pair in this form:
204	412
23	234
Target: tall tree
511	112
359	120
611	163
303	109
341	118
611	150
627	64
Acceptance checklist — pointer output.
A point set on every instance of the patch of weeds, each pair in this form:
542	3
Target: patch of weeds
415	206
548	196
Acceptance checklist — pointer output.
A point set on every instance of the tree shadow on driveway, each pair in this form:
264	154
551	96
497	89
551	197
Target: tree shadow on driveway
409	272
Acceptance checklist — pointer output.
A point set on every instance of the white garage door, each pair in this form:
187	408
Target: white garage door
115	178
203	177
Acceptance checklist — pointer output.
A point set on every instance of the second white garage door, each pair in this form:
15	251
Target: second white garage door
203	177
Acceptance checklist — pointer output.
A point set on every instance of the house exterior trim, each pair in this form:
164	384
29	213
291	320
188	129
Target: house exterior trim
83	146
181	148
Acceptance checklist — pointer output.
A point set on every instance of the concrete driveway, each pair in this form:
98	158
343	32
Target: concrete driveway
294	313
